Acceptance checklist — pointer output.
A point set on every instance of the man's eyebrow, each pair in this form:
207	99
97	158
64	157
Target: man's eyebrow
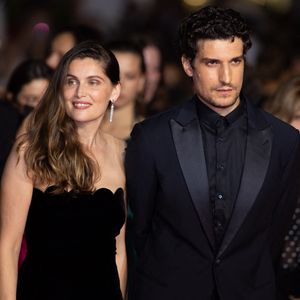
206	59
238	57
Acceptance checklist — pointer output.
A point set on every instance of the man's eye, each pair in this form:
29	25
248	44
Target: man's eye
211	63
236	61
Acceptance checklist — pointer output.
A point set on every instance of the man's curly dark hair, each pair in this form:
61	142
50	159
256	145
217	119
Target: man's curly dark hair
211	23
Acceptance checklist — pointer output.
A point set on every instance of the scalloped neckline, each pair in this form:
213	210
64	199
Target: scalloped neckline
96	191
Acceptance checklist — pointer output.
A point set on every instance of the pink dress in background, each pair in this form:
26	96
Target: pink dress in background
23	252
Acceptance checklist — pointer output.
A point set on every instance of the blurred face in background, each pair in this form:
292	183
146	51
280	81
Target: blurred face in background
32	92
60	45
296	119
152	59
131	77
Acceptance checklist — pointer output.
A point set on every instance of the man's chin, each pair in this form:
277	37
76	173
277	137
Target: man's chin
226	101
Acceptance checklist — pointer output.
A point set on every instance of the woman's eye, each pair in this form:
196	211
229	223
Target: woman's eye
94	82
71	82
130	76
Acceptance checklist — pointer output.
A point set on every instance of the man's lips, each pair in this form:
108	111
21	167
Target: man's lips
225	89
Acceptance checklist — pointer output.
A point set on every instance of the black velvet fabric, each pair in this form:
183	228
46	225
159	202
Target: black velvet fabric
71	246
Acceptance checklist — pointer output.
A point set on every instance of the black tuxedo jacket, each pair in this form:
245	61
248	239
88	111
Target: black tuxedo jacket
168	191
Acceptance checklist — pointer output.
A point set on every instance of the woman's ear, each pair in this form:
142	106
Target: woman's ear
115	92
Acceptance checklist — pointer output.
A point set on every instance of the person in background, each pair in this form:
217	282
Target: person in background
155	95
66	38
286	106
27	84
24	90
165	84
213	182
70	189
9	124
153	63
128	110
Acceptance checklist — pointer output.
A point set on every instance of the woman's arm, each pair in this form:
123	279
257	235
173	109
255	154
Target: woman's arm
15	197
121	260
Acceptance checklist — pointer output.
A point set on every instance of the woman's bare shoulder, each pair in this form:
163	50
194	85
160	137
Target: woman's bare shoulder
15	170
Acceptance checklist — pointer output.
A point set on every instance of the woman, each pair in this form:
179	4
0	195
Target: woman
286	103
66	38
24	90
70	182
128	109
28	83
286	106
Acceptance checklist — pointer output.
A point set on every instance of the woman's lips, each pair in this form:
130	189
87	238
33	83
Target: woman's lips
81	104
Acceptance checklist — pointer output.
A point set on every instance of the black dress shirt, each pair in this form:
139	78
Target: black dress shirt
224	140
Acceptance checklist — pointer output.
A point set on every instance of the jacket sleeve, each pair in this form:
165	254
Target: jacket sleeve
141	183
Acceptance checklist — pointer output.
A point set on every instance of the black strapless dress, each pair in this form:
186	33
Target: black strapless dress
71	246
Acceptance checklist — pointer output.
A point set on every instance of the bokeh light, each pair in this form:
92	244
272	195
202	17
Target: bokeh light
195	3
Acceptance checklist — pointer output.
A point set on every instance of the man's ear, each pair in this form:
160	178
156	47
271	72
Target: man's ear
187	67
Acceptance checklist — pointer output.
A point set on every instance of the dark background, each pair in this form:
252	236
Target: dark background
275	27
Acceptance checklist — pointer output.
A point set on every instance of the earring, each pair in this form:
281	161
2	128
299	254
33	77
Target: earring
111	112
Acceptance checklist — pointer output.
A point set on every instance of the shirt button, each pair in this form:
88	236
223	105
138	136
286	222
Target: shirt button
220	196
218	261
220	167
219	225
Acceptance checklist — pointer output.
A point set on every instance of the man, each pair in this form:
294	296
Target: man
212	183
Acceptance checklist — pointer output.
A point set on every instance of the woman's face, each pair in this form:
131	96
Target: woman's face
60	45
87	91
152	57
32	92
131	76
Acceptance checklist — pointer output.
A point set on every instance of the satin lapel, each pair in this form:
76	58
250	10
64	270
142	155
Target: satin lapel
190	152
258	152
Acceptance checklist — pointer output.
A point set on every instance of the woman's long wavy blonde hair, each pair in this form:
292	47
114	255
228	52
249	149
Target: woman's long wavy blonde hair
286	101
52	151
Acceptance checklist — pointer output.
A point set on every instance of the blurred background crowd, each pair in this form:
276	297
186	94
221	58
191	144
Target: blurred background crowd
35	34
274	57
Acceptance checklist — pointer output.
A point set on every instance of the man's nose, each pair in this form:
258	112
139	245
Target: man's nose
225	74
